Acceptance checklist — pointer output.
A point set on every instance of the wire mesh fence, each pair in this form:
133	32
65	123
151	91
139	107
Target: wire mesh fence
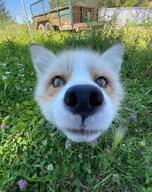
123	16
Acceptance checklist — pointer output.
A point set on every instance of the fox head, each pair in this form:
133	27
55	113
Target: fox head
79	90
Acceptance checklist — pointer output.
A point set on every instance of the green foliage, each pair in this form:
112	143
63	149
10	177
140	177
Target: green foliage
60	3
124	3
135	3
4	15
32	149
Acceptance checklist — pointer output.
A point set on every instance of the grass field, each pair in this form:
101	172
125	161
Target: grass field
33	150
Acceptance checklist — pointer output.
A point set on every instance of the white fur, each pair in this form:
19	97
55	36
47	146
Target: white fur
78	62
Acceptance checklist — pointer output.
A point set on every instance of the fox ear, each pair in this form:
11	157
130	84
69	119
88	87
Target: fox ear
42	58
114	56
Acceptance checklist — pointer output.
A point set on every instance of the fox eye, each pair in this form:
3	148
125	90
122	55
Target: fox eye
58	82
101	82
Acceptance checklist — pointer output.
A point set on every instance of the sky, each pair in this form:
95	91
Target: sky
17	12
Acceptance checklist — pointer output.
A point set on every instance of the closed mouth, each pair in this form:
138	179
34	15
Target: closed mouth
82	131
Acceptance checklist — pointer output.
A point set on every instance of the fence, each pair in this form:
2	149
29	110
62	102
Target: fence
122	16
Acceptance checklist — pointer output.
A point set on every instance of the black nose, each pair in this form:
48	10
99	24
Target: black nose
83	99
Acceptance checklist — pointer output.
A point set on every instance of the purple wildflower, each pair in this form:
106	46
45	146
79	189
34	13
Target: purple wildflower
132	117
3	126
94	142
22	184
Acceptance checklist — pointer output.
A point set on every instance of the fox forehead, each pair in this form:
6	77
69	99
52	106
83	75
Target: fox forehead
76	60
80	64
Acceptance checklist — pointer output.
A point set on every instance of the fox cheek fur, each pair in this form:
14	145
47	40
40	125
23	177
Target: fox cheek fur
79	90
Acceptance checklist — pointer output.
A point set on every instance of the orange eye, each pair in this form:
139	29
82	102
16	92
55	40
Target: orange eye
101	82
58	81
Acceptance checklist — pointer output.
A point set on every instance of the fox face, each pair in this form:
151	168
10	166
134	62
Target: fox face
79	91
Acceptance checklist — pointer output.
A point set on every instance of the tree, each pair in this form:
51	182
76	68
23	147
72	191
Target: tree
136	3
111	3
123	3
4	15
102	3
88	3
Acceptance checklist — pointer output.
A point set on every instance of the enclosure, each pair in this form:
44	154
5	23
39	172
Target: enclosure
64	15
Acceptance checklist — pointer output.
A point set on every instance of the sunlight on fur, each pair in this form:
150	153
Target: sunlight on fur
79	91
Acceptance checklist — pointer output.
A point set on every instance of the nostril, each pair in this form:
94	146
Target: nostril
83	100
70	99
95	99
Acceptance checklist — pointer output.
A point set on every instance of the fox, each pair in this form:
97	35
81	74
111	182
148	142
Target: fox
79	90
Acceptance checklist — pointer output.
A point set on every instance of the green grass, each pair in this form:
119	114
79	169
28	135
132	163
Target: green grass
32	149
